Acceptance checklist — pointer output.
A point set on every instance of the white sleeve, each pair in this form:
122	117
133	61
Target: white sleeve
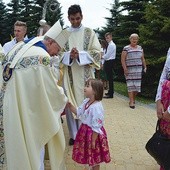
54	63
80	109
97	118
110	51
84	58
66	59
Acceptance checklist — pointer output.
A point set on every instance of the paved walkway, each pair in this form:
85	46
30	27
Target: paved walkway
128	131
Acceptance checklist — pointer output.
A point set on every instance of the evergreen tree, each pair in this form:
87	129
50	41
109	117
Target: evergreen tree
155	33
3	18
13	14
113	21
28	14
54	12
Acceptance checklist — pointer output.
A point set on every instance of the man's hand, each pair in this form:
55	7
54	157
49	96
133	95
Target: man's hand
74	53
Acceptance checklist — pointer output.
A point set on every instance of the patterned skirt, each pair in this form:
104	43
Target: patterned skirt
133	79
165	125
82	149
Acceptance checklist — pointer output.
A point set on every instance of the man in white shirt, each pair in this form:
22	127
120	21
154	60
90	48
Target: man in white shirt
20	30
82	56
109	58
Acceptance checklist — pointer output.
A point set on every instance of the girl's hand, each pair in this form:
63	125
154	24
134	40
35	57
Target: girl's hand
94	137
166	116
93	144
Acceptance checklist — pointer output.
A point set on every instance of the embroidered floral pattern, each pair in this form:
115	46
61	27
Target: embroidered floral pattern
82	149
87	35
165	125
2	142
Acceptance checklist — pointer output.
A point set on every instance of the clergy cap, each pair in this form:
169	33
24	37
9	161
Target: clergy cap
57	34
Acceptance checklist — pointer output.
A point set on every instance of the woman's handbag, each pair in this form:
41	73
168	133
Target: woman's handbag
158	147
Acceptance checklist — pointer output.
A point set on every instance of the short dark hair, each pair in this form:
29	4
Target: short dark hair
74	9
97	86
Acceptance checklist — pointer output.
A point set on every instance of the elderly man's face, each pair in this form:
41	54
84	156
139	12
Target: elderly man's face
53	48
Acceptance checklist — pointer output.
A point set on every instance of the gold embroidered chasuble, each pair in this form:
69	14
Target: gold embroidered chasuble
76	73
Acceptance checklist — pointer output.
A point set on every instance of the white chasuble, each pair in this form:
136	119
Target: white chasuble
76	72
32	104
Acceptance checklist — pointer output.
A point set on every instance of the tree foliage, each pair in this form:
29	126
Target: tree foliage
29	11
151	20
3	18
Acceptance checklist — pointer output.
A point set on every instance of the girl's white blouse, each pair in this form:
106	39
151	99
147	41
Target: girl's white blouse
93	116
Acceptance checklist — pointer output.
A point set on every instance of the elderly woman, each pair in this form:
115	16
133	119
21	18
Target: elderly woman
133	61
163	99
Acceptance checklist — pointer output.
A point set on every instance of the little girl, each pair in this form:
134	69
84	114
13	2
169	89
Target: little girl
91	145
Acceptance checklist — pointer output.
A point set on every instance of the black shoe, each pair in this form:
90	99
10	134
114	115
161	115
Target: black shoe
132	107
107	97
106	94
71	141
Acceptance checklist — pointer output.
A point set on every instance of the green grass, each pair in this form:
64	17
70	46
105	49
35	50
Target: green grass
121	88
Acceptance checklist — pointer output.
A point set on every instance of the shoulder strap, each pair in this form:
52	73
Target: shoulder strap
158	125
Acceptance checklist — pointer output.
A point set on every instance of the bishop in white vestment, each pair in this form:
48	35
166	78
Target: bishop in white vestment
30	105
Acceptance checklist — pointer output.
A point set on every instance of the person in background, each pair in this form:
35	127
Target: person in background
163	99
133	62
30	92
91	144
109	58
102	73
81	57
20	30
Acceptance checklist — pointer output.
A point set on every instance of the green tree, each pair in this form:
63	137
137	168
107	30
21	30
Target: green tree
12	15
54	12
3	13
155	32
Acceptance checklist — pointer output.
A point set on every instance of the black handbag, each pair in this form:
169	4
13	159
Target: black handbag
158	146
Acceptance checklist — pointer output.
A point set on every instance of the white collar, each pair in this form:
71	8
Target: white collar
72	29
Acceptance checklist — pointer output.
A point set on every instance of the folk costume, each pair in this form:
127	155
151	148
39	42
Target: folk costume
31	104
92	118
76	72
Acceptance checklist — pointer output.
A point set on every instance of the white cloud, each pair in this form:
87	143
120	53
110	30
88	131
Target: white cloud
93	11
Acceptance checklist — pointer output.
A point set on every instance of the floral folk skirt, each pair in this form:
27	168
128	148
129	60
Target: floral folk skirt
82	149
165	125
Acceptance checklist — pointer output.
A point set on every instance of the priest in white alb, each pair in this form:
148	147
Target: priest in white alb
81	58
